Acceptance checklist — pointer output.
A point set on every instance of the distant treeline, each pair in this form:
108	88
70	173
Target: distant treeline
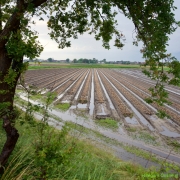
95	61
88	61
84	61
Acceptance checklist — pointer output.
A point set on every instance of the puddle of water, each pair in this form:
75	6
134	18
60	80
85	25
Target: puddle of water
141	118
44	91
120	152
132	120
77	95
106	94
102	113
82	106
66	101
170	121
73	107
169	133
68	116
61	95
91	105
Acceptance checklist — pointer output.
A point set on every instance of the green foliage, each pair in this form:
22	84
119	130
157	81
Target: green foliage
59	156
161	114
24	43
147	136
174	144
154	21
108	123
158	95
51	152
10	78
63	106
174	68
50	59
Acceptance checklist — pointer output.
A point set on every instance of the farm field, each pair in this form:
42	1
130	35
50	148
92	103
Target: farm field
104	93
116	94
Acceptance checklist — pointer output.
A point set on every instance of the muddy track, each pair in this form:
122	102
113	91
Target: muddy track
172	90
133	88
49	78
43	75
136	102
158	124
99	95
121	107
70	94
174	98
57	84
131	84
66	84
53	80
85	91
102	109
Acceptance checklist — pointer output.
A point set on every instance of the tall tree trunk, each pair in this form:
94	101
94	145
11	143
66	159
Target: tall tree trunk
7	90
7	114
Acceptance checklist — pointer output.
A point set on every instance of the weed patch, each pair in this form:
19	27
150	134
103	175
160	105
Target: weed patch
108	123
63	106
174	144
131	129
146	136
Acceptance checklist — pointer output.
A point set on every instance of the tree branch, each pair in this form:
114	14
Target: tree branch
13	22
0	18
37	3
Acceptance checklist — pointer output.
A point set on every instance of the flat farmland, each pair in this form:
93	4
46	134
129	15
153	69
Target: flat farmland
110	93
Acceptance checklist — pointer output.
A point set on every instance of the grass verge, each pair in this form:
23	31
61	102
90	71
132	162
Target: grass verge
79	65
75	159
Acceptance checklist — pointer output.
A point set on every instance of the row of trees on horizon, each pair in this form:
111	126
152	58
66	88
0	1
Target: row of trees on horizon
81	60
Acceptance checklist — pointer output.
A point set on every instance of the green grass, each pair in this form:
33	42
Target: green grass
79	65
173	143
146	136
131	129
63	106
37	97
142	135
41	67
141	153
108	123
85	160
79	159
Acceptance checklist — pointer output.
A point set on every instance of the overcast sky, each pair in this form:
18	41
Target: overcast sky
87	47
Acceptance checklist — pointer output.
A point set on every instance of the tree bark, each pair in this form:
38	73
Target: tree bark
6	111
7	90
12	137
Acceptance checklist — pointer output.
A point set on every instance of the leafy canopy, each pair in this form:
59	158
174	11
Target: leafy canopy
153	20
